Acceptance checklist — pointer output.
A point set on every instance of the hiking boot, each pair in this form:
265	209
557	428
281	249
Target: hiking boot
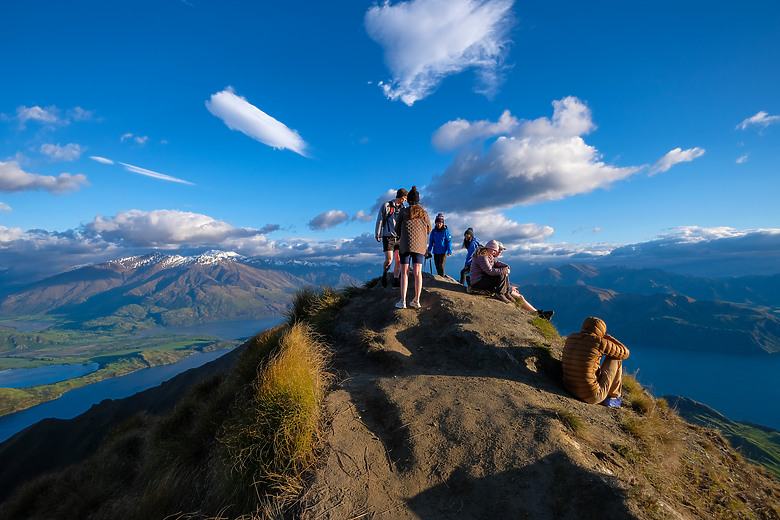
545	315
504	298
414	304
400	305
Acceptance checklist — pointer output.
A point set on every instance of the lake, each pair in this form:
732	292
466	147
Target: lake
743	388
79	400
49	374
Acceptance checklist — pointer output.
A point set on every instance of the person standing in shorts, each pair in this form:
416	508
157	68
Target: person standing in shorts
414	226
385	233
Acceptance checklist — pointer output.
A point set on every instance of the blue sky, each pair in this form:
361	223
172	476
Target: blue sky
646	133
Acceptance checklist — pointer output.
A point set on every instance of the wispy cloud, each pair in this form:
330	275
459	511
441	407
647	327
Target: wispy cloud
101	159
675	156
761	119
69	152
425	41
139	139
328	219
49	116
150	173
13	179
140	171
4	206
742	158
534	161
238	114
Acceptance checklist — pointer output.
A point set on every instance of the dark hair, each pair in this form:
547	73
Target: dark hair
413	197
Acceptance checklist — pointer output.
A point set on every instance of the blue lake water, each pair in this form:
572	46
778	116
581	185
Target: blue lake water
743	388
78	401
23	377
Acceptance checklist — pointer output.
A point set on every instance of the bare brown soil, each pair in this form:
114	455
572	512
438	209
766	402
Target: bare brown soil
455	411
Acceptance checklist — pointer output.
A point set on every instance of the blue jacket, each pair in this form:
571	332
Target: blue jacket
440	242
473	246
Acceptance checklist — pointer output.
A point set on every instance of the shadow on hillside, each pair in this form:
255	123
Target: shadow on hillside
552	488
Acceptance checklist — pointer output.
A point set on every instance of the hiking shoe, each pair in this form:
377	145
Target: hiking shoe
400	305
545	315
504	298
613	402
396	282
414	304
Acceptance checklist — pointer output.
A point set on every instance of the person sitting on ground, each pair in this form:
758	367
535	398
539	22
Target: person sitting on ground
470	244
385	232
490	274
440	243
583	377
413	227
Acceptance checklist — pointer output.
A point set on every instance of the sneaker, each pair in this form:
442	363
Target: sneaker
400	305
613	402
414	304
545	315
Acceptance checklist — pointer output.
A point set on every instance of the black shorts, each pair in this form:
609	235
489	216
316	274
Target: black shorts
390	243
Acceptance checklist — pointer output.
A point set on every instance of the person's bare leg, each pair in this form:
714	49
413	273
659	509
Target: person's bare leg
523	302
417	282
397	266
404	281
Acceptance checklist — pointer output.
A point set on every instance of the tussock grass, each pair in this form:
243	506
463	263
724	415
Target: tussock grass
547	329
319	308
272	442
571	420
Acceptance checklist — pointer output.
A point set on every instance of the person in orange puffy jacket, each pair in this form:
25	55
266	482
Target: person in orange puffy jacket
584	376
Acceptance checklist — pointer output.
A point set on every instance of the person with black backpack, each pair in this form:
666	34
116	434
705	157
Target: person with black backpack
385	232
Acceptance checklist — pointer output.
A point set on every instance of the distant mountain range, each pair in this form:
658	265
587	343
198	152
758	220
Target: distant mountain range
655	308
172	289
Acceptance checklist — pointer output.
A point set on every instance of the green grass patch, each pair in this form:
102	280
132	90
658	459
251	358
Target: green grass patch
547	329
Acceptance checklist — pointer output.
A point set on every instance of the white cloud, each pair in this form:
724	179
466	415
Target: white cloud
13	179
125	137
675	156
238	114
540	160
79	114
742	159
328	219
761	119
363	216
4	206
425	41
69	152
489	226
101	159
165	228
42	115
455	134
150	173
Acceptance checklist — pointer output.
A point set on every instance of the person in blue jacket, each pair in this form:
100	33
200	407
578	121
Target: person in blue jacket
440	242
470	244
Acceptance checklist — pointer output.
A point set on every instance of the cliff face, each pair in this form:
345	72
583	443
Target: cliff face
457	411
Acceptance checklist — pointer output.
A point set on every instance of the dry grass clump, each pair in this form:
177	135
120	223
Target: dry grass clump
272	442
571	420
319	308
